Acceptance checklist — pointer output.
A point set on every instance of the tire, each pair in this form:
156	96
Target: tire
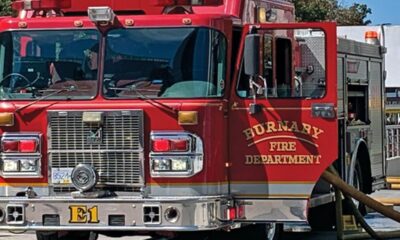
358	183
66	235
323	217
270	231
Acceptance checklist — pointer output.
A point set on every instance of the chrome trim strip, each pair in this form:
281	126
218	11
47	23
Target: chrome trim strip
274	210
289	189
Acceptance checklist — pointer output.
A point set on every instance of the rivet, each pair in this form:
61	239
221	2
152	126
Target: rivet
133	222
78	23
187	21
22	25
133	206
129	22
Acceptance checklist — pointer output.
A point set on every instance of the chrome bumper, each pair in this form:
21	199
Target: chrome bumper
113	214
143	214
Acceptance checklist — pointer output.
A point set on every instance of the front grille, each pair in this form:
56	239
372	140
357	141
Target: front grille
114	146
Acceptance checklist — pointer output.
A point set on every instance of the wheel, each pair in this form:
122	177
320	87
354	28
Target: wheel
322	217
358	183
66	235
269	231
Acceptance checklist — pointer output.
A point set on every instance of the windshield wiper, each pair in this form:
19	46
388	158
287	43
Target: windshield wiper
71	88
145	98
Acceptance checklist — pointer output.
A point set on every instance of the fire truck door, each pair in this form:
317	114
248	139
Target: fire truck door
283	123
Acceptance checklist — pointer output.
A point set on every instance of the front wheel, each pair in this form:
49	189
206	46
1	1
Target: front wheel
66	235
358	183
269	231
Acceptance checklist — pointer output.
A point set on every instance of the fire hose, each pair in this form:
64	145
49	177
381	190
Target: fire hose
349	192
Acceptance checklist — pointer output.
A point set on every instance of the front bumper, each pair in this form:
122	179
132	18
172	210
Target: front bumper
114	214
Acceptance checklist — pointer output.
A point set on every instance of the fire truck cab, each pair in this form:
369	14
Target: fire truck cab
170	116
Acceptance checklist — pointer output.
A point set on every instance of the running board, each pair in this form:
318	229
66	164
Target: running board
321	199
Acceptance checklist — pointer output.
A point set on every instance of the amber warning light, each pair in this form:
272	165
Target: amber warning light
40	4
188	2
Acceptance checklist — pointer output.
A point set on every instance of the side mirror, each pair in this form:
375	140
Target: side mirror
252	55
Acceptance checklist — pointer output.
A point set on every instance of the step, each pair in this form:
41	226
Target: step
393	180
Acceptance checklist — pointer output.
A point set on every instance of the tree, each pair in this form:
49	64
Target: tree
5	7
331	10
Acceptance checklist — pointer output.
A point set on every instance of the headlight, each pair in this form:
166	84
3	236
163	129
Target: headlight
28	165
179	164
162	165
10	165
175	154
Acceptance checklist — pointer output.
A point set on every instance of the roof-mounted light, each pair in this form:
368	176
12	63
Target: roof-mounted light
101	14
40	4
166	3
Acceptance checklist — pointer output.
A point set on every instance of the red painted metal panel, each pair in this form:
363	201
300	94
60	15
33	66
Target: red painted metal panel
284	143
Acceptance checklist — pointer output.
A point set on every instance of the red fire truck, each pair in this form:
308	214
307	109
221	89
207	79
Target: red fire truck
169	116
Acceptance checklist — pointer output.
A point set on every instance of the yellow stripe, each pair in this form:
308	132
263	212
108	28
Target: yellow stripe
23	184
233	182
188	184
274	195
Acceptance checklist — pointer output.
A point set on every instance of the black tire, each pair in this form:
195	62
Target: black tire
271	231
358	183
66	235
323	217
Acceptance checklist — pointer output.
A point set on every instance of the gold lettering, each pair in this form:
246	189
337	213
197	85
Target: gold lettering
282	126
317	132
292	159
318	159
294	127
282	146
271	127
94	215
292	146
260	130
264	159
249	160
272	146
78	214
306	129
282	160
270	160
257	160
249	133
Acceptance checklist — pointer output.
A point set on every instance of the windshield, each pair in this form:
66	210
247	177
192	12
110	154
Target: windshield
35	64
165	63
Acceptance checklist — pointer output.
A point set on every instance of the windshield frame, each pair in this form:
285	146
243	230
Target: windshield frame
139	95
94	90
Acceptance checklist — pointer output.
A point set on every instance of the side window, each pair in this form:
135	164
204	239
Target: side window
293	65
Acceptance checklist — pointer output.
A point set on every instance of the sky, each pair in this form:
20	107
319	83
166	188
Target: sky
383	11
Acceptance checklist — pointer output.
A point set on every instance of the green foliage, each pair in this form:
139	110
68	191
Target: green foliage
5	7
331	10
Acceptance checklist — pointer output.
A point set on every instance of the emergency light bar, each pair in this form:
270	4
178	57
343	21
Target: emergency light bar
167	3
19	5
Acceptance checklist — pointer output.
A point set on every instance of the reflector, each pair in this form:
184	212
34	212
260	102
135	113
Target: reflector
179	145
161	145
231	212
27	146
10	146
6	119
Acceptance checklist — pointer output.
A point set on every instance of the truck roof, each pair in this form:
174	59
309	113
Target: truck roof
246	11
